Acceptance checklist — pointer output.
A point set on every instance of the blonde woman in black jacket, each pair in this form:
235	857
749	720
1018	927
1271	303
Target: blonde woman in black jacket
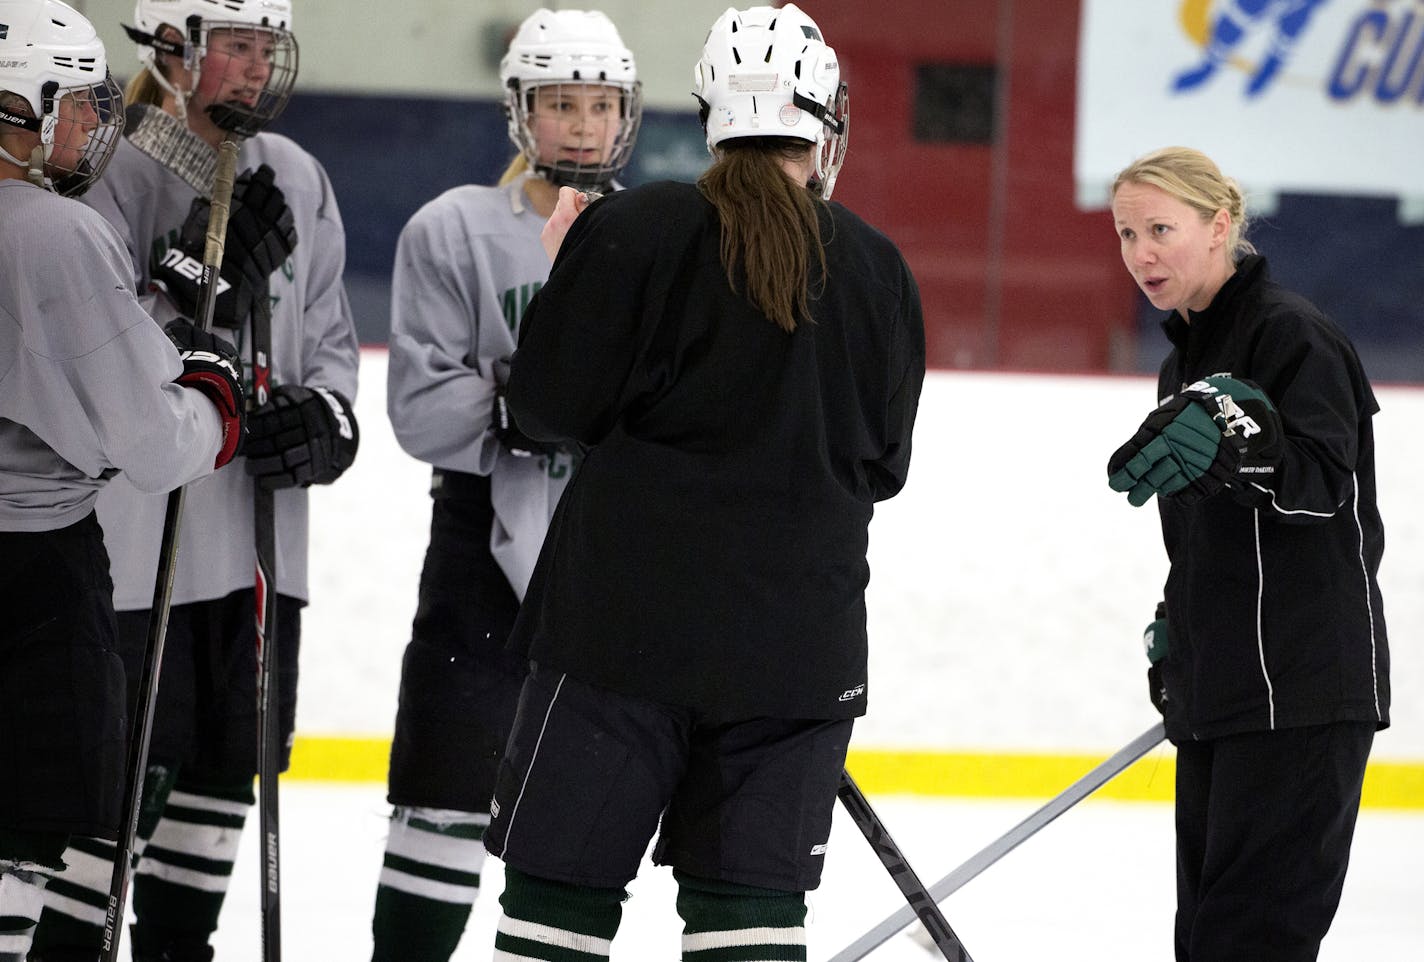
1270	660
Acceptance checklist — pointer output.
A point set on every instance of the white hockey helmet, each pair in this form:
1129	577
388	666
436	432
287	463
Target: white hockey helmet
195	20
52	58
555	47
767	72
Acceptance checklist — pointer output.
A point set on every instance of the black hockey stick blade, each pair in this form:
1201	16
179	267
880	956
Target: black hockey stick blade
141	729
1006	843
921	904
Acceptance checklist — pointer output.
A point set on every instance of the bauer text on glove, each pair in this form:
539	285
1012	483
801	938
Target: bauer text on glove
1216	433
212	365
260	236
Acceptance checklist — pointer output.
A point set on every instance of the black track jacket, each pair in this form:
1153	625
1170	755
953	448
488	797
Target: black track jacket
711	550
1274	613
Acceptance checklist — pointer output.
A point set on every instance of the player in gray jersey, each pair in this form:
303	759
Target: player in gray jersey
285	246
466	266
90	391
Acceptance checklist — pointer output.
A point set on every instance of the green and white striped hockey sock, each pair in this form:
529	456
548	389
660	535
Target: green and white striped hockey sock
726	922
554	921
22	887
429	881
183	876
77	900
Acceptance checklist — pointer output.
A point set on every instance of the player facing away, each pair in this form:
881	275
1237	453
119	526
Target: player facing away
743	360
90	391
466	266
212	69
1270	661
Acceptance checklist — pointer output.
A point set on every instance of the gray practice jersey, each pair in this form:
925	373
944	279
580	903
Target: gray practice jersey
466	266
313	343
85	376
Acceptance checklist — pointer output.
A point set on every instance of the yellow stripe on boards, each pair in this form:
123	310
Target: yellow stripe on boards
1388	784
1394	785
1005	775
321	758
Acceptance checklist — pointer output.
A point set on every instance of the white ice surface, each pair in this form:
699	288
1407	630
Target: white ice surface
1094	885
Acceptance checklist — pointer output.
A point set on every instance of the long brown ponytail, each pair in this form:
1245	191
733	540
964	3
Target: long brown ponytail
769	224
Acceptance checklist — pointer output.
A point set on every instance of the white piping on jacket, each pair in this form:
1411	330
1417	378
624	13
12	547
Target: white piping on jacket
1369	602
509	828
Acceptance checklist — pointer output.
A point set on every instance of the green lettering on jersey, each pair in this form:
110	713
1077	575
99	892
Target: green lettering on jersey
515	301
563	463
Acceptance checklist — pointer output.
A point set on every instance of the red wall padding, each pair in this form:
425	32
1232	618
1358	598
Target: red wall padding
1064	300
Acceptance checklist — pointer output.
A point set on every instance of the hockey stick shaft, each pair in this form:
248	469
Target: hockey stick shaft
921	904
141	728
1006	843
269	757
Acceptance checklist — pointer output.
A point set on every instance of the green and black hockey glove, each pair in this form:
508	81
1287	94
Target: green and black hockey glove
1178	451
1248	421
1217	432
1154	639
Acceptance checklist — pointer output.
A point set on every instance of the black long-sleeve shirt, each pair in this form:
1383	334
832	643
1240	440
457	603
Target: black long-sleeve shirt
711	551
1274	611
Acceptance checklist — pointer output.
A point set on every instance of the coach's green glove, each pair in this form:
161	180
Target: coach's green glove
1247	419
1177	451
1198	442
1154	639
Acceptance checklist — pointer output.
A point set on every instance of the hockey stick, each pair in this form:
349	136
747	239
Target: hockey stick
269	758
991	853
142	727
922	905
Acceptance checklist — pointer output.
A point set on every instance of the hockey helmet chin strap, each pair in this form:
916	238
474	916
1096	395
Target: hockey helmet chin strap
185	52
67	185
35	166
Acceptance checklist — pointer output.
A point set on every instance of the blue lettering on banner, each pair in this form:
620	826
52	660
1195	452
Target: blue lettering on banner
1382	56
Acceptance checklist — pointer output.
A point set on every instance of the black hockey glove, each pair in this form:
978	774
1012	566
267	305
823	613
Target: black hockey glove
260	236
507	433
1157	689
1154	639
1216	433
302	436
212	365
